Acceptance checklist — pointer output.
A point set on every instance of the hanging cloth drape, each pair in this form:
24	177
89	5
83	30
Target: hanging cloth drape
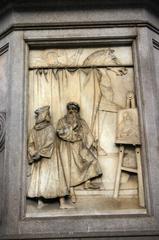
57	87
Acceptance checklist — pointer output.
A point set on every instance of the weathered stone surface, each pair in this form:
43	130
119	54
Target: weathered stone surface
76	25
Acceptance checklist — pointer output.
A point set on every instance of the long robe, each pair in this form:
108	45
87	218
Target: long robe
47	177
76	153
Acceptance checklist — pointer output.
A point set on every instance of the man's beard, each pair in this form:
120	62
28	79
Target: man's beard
72	118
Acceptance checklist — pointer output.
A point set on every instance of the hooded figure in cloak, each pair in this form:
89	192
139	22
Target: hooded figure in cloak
47	178
77	150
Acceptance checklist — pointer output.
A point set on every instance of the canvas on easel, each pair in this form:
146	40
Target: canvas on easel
128	127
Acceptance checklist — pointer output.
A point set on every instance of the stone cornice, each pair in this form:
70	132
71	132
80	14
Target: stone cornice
14	8
22	27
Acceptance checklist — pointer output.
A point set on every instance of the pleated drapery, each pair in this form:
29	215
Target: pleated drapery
57	87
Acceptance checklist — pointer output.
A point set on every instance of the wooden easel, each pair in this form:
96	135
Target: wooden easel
130	103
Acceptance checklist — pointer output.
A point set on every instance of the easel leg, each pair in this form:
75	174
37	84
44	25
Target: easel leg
118	175
140	178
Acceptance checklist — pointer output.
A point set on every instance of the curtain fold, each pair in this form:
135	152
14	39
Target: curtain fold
57	87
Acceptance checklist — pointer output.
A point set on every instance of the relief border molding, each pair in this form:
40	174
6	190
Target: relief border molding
4	49
2	130
82	25
155	44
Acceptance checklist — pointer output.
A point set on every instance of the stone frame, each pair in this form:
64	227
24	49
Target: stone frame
15	224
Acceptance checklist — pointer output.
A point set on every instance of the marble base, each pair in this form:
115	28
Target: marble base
87	205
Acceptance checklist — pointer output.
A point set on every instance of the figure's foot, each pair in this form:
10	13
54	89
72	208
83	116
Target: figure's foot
64	205
73	198
90	185
40	204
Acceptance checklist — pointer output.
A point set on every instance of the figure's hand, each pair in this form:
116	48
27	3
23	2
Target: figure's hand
36	157
95	144
64	131
75	127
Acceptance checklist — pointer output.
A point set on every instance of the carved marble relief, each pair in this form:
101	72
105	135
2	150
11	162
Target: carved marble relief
3	110
87	91
81	57
3	94
3	79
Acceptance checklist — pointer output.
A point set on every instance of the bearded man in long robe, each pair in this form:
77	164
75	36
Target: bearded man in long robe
77	150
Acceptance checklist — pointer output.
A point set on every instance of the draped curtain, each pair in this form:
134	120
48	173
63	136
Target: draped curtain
57	87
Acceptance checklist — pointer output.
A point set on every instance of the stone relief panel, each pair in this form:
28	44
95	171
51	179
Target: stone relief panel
3	106
78	115
3	80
